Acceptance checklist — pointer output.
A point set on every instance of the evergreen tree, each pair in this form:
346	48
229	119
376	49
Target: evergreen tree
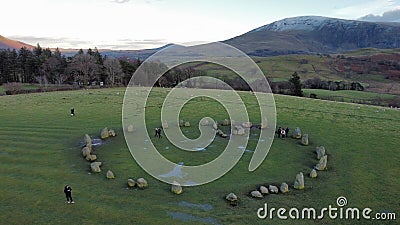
295	85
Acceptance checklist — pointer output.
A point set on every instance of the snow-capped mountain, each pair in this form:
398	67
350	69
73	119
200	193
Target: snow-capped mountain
316	34
302	23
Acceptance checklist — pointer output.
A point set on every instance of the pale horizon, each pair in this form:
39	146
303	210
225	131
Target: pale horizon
145	24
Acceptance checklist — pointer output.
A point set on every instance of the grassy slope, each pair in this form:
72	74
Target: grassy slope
41	153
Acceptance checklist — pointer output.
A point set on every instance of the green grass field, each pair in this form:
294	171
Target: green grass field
41	152
351	96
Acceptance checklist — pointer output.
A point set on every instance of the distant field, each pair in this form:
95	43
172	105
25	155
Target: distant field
351	96
41	152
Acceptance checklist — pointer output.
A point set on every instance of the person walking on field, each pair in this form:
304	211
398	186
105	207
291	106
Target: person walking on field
279	132
287	131
68	194
72	112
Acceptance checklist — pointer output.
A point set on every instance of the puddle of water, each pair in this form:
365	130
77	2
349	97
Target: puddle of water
248	150
199	149
205	207
241	147
176	172
97	142
186	217
167	147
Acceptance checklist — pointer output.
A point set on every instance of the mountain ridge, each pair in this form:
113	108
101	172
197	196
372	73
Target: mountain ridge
315	34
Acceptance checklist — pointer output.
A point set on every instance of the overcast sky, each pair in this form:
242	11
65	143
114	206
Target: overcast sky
137	24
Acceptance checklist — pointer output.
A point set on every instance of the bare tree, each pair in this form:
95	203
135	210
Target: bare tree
84	67
113	70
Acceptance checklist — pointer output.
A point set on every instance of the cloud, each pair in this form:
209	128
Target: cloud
368	7
389	16
62	42
120	1
51	42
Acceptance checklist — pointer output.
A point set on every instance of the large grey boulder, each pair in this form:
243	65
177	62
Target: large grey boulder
238	130
131	183
110	175
142	183
176	188
85	151
273	189
95	167
264	190
256	194
104	133
304	139
313	173
264	123
321	165
299	182
320	151
297	133
284	188
231	197
88	141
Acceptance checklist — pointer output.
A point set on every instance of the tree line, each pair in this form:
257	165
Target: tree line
45	66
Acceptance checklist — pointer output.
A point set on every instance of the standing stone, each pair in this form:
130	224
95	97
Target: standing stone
111	133
164	124
215	126
130	128
88	141
273	189
320	152
304	139
246	124
238	130
321	165
176	188
299	182
264	190
297	133
131	183
104	133
284	188
91	158
85	151
256	194
226	122
95	167
187	124
142	183
264	123
231	197
110	175
313	173
204	122
222	134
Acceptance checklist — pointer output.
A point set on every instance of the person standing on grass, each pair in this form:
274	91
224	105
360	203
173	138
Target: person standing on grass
287	131
72	112
158	132
68	194
283	133
279	132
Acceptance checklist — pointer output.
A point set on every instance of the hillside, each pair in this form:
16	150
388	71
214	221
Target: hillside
6	43
39	156
314	34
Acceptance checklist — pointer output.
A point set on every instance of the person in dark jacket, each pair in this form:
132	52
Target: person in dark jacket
68	194
72	112
279	132
287	131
